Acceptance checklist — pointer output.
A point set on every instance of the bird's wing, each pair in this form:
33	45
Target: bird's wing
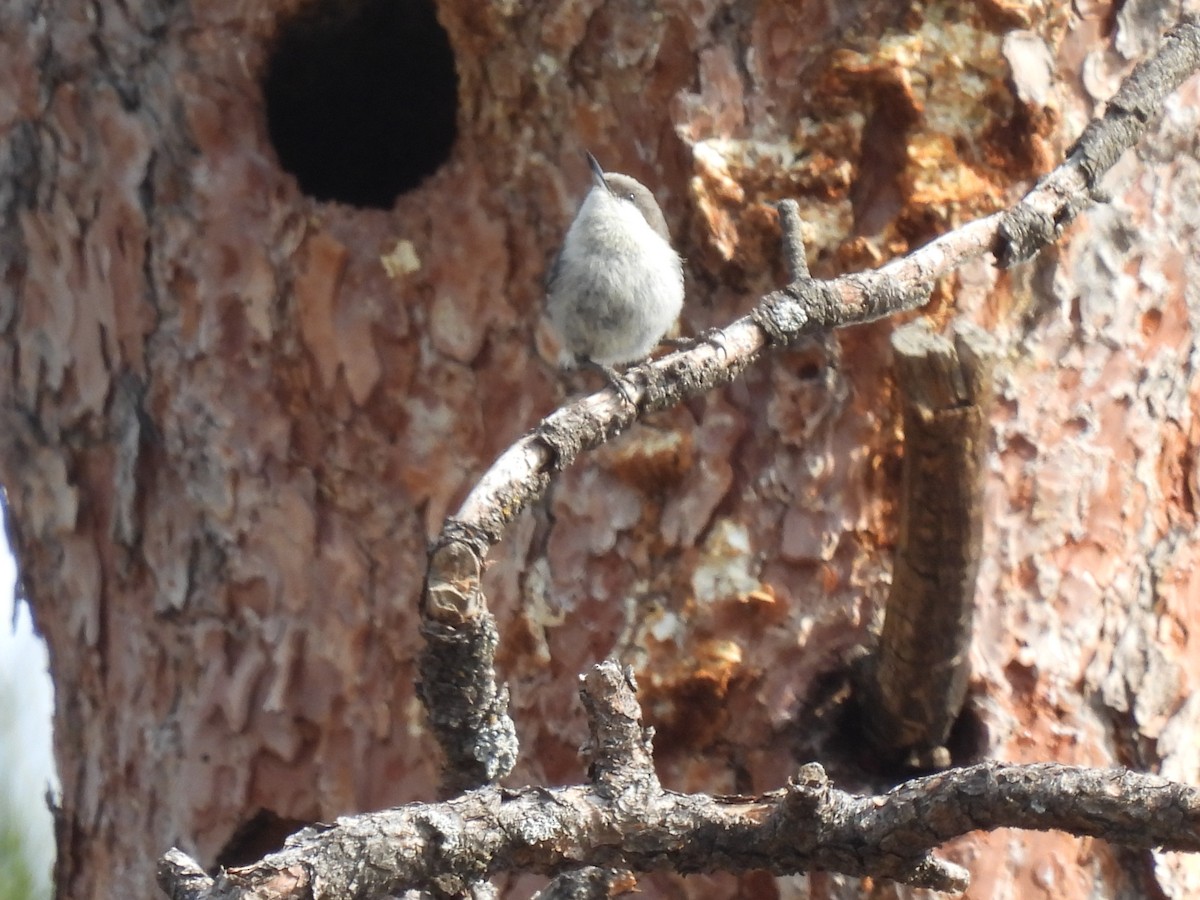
552	273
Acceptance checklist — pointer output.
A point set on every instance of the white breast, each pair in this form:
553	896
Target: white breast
618	285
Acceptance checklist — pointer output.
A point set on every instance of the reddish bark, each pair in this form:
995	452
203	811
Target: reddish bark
232	415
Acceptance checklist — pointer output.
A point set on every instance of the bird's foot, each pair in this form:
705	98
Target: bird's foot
714	337
614	378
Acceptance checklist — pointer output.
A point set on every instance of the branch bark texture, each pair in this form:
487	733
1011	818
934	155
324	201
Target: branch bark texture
920	679
624	819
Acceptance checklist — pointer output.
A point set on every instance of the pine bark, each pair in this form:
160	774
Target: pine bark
232	415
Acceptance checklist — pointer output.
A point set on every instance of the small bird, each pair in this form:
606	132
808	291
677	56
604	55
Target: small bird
616	287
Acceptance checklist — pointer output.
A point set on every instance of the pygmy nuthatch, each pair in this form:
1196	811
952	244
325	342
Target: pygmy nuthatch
616	286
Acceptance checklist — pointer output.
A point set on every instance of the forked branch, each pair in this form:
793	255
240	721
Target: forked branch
624	818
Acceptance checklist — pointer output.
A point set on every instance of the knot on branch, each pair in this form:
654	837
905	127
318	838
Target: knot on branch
1023	231
788	314
1027	227
807	792
561	432
452	594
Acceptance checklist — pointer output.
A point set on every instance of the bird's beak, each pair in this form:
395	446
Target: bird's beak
597	172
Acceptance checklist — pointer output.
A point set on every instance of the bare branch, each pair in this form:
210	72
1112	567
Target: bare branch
630	822
467	708
805	306
781	317
920	680
1060	196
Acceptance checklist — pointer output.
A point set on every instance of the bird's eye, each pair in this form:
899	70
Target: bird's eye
629	197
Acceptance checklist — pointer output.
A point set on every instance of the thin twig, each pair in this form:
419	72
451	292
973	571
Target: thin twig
792	232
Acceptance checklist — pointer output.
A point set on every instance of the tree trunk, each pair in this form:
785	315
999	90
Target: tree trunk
271	303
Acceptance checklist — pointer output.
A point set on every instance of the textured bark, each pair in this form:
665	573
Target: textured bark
231	416
920	679
624	816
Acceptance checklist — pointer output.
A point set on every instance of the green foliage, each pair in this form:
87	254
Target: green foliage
16	881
